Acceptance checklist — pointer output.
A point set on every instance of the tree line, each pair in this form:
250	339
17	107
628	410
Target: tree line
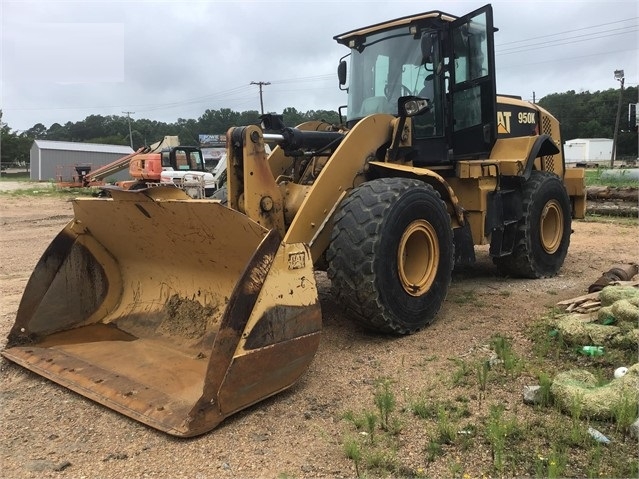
114	130
582	115
593	115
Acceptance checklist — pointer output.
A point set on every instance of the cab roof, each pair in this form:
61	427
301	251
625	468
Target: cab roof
390	24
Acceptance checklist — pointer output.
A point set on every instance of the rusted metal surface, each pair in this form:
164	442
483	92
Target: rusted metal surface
68	288
144	303
619	272
233	323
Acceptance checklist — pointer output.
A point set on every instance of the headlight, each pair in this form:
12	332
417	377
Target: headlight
412	106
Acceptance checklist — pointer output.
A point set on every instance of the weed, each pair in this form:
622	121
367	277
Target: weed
545	396
461	374
395	426
625	410
385	402
498	430
358	421
540	466
353	451
594	461
482	369
424	408
433	449
371	423
467	297
455	469
465	437
548	341
381	460
501	346
557	463
503	350
427	359
349	416
576	407
445	429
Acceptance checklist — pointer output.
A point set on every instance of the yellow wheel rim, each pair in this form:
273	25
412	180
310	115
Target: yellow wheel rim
418	257
551	226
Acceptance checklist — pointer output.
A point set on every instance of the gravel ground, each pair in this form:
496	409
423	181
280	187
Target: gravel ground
48	431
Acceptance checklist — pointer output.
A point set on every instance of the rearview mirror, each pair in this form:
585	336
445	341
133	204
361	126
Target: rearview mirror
341	73
427	49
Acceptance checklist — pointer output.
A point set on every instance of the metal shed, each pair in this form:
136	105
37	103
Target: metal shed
57	160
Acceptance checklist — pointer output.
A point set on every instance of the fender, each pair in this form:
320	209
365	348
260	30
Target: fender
543	146
437	181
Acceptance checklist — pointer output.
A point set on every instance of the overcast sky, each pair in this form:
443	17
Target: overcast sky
164	60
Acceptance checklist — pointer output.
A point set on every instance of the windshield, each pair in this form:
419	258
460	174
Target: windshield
389	65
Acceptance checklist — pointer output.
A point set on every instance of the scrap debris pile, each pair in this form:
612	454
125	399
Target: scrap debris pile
606	319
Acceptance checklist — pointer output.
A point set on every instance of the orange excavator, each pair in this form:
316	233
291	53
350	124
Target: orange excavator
180	166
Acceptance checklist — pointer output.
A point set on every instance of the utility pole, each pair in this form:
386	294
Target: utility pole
619	75
128	115
261	84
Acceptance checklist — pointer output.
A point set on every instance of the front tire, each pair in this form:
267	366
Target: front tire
543	233
391	255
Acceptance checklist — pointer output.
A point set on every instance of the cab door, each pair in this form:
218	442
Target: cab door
472	84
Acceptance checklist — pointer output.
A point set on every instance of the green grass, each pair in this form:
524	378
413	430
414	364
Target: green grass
617	220
47	191
593	178
522	440
15	177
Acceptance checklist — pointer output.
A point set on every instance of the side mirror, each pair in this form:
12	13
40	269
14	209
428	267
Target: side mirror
427	49
341	73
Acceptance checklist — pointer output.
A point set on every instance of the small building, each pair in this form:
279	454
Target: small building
588	150
213	148
58	160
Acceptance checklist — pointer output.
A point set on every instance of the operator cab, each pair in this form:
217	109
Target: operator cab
182	158
446	60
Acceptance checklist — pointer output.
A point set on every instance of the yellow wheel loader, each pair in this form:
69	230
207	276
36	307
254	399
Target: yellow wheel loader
179	312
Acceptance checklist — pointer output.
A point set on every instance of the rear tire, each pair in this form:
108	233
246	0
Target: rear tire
543	233
391	255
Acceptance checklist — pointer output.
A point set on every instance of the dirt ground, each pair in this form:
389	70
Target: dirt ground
48	431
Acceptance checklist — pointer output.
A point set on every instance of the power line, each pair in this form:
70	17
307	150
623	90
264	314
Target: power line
220	95
564	60
567	31
565	41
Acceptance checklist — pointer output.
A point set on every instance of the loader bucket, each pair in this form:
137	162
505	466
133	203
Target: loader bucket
172	311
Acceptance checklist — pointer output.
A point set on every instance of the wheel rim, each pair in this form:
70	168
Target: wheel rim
418	257
551	226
